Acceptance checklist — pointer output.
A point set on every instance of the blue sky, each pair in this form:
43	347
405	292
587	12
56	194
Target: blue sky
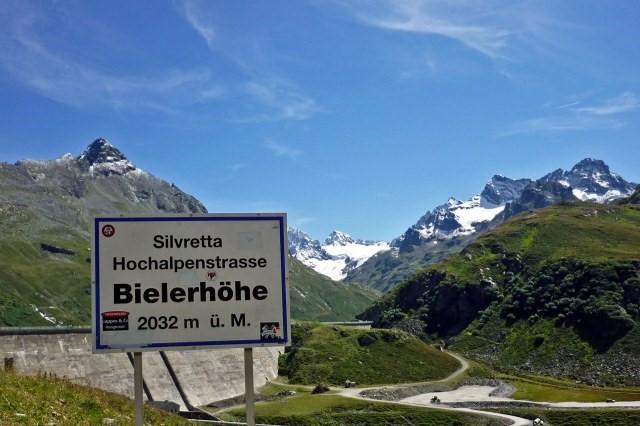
348	115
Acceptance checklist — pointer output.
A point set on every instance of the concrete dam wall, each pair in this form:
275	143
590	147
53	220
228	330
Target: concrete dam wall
203	376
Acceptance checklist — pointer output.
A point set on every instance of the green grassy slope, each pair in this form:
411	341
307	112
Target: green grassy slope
589	232
552	291
58	285
316	297
387	269
42	400
56	210
333	354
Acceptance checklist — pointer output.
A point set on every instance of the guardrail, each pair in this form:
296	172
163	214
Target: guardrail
22	331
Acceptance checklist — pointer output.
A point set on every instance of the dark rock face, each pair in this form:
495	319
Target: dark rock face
101	151
537	195
450	306
101	157
501	190
56	250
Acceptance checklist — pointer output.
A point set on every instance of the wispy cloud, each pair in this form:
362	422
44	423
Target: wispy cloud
563	124
28	59
430	18
192	12
270	95
282	100
283	150
494	29
624	102
466	24
571	117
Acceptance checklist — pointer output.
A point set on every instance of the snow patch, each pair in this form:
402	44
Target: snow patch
49	318
607	197
471	212
339	254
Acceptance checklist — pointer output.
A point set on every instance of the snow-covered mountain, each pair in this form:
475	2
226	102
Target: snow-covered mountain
451	226
459	218
592	180
338	254
589	180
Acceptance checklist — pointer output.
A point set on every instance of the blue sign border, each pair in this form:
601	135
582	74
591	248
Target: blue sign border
213	218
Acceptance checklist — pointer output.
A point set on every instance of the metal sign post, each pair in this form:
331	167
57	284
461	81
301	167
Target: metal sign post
137	388
249	399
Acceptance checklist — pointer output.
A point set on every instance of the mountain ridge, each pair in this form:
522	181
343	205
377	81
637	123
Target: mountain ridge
449	227
338	254
46	207
552	291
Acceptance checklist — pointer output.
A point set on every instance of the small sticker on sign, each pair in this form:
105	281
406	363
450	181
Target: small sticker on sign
269	330
115	320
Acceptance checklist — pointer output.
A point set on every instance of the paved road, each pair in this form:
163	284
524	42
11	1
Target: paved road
464	365
515	421
478	394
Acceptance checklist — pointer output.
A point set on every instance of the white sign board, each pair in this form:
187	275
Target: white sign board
186	282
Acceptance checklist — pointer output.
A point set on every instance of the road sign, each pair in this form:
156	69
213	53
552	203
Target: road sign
180	282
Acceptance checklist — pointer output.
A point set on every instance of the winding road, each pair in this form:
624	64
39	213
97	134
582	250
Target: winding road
471	394
464	365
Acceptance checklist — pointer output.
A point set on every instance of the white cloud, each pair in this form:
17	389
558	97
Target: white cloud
283	101
192	13
565	123
29	60
464	24
624	102
499	30
282	150
273	96
573	118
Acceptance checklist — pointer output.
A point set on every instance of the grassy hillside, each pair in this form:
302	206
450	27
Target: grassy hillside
552	291
42	400
34	280
45	215
333	354
58	285
385	270
318	298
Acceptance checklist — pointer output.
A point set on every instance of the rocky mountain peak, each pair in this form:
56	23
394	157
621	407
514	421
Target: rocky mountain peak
101	151
501	190
106	159
339	238
590	165
592	180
